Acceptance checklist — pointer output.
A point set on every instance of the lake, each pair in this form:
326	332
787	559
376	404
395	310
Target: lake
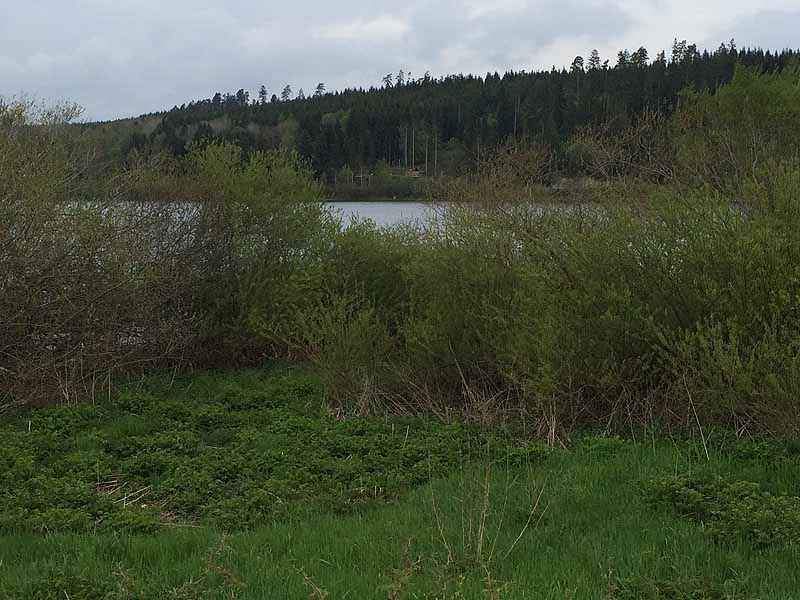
388	212
382	212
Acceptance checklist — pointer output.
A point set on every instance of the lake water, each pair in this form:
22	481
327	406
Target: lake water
382	212
388	213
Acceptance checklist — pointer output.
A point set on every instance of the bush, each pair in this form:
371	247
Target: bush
101	277
682	308
683	311
644	149
737	136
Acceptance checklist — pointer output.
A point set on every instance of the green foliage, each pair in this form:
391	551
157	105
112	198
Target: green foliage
641	588
252	181
681	310
261	220
350	346
444	123
157	264
133	521
601	445
565	522
731	511
243	452
738	136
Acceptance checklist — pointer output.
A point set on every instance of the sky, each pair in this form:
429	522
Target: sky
121	58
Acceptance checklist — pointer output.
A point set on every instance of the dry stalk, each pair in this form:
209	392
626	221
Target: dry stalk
316	592
403	575
697	419
478	544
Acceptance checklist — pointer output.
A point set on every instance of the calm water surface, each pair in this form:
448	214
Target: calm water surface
382	212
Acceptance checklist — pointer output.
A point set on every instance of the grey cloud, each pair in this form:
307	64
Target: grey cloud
125	57
774	29
502	37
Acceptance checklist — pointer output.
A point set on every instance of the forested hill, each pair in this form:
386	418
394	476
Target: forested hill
444	124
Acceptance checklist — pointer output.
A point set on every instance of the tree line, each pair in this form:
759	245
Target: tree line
443	125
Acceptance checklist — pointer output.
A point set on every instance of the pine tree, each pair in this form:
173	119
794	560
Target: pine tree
640	57
594	60
242	98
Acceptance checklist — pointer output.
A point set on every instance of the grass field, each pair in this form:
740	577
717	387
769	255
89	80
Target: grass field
241	485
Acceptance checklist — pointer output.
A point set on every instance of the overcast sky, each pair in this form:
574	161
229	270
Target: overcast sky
121	58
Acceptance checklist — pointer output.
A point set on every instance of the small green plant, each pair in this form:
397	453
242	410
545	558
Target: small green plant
236	453
133	521
602	445
731	511
641	588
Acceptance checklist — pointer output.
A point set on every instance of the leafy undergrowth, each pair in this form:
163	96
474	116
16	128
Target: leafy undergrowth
680	588
732	510
231	452
242	486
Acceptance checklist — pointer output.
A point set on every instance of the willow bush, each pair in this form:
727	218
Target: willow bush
82	273
108	271
735	139
680	313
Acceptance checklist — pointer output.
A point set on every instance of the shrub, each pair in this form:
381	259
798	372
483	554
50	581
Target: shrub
683	310
644	150
88	282
101	276
737	136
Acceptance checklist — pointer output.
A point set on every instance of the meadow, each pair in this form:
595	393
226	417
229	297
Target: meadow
243	485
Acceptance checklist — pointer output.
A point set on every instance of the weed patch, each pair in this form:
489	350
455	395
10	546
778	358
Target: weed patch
732	511
641	588
235	453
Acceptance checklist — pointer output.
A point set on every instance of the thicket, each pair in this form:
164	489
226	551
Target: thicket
735	141
107	271
681	307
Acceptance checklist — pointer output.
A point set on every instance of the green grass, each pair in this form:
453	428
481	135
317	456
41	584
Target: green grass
250	489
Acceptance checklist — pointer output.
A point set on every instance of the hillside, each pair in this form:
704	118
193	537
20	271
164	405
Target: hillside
441	126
